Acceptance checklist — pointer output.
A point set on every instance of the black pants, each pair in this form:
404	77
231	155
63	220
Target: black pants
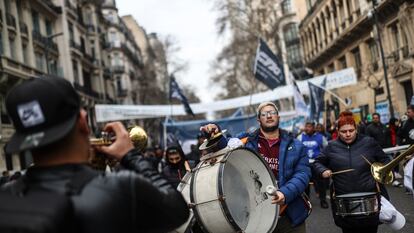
360	230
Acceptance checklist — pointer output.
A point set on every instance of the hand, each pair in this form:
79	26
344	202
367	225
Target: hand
122	144
210	129
327	174
279	198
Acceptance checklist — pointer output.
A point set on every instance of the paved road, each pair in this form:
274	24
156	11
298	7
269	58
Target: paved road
321	220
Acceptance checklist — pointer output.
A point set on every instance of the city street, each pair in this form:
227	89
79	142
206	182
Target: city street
321	220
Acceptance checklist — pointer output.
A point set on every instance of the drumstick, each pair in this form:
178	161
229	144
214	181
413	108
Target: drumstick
366	160
342	171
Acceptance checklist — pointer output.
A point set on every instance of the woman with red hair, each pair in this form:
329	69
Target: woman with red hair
352	151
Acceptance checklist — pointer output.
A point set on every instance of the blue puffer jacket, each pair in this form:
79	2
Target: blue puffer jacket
294	172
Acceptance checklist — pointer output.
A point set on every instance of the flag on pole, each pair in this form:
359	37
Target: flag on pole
300	106
267	67
175	92
316	94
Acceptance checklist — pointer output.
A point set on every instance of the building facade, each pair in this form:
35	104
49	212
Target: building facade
337	34
85	42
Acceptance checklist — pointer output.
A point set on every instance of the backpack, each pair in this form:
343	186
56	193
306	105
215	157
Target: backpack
41	210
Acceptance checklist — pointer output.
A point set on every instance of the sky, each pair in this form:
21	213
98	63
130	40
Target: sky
192	24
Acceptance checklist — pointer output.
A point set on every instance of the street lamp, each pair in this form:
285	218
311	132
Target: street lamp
373	14
49	39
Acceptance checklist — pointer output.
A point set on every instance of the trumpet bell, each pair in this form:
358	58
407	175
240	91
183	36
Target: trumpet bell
138	137
377	171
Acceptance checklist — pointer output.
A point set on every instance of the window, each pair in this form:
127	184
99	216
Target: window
293	55
35	21
75	71
12	45
1	43
331	68
373	49
357	58
286	7
49	28
395	39
290	32
71	33
342	62
25	54
39	61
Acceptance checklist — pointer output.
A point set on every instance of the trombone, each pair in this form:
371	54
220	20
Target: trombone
383	173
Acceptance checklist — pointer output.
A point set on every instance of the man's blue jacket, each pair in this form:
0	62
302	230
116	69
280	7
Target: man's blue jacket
293	175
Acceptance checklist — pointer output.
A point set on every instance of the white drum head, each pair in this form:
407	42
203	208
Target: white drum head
242	180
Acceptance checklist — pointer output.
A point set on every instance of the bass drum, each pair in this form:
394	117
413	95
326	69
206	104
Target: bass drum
184	188
227	192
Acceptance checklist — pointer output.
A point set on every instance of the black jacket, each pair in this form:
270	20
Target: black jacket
138	199
339	156
380	133
404	132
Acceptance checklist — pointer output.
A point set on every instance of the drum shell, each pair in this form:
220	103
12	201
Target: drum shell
357	204
213	208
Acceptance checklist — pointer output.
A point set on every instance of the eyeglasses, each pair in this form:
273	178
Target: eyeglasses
270	113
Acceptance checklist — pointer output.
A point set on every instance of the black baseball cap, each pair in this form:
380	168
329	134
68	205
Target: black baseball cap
43	111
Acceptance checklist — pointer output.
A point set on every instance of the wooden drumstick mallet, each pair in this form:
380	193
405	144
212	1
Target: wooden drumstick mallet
342	171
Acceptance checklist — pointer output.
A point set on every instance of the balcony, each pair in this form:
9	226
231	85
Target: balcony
118	69
85	90
52	6
90	28
23	28
374	66
69	5
122	93
75	45
405	51
10	20
44	41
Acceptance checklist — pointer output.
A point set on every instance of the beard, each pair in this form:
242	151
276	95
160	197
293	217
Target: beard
269	129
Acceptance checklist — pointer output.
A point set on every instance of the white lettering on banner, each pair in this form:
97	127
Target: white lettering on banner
269	63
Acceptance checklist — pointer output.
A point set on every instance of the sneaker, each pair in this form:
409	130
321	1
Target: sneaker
324	204
396	183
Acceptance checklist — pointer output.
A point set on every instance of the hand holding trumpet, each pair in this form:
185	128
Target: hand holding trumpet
122	143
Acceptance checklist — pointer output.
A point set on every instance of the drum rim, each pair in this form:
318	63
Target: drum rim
223	203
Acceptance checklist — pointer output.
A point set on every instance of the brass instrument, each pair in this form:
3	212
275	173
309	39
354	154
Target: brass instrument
383	173
99	161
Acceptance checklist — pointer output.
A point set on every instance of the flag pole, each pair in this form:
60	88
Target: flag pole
333	94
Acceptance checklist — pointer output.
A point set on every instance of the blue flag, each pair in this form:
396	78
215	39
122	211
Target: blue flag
267	67
316	94
175	92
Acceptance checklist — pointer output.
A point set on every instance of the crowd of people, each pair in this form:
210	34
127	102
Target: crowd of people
51	124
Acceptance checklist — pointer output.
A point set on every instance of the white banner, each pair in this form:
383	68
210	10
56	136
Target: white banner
125	112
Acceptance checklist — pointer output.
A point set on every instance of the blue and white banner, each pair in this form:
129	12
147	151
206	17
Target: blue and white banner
106	112
267	67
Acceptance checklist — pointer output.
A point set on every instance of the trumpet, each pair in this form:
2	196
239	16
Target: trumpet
137	135
99	161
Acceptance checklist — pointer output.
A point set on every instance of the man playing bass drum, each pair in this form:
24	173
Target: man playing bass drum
286	157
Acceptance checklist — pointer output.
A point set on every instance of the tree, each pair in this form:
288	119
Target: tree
247	20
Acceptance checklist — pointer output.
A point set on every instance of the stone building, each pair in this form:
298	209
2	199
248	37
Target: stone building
336	34
85	42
